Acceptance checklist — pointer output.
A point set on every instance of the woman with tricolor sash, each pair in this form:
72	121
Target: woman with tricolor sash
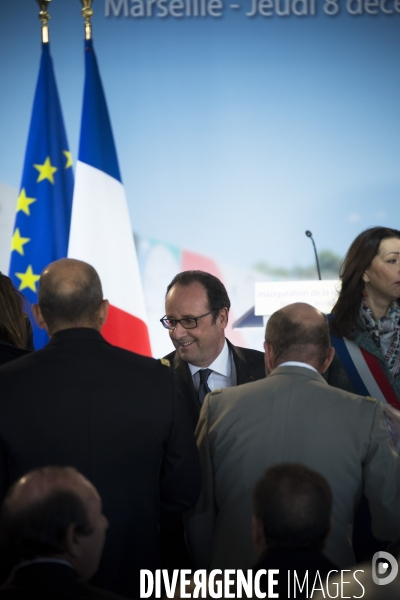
365	321
365	332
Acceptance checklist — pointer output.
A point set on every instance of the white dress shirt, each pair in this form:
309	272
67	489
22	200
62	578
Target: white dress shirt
223	371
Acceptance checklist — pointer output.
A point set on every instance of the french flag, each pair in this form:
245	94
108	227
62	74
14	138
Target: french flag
101	232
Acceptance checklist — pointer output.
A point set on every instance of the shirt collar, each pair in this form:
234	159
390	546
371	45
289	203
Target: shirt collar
42	560
295	363
222	364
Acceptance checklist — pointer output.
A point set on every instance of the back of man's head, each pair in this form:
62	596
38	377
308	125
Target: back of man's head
293	506
70	295
53	512
298	332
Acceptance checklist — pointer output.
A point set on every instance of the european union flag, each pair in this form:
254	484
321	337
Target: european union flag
44	204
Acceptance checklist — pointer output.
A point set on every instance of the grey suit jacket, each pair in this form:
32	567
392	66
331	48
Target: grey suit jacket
291	416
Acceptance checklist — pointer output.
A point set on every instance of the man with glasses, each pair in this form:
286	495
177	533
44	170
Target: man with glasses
197	307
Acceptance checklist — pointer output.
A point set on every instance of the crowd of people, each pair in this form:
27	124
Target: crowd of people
214	457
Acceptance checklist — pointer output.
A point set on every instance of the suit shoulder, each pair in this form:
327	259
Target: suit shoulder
250	364
229	395
369	398
100	594
138	361
19	363
170	357
350	397
255	355
216	392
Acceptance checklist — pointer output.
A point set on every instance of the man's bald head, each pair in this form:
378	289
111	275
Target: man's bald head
54	512
70	295
37	486
298	332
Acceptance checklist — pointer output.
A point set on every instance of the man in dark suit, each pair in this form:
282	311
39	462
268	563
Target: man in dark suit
52	532
114	415
197	307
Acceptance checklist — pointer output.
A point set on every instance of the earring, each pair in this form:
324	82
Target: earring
364	292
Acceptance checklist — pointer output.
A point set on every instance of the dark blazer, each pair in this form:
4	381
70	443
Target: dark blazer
118	418
51	581
9	352
287	560
250	366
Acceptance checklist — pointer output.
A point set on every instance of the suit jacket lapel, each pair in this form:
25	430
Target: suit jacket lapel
182	369
246	371
242	364
187	388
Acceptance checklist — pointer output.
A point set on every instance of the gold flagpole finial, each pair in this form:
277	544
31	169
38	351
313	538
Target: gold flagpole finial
44	18
87	14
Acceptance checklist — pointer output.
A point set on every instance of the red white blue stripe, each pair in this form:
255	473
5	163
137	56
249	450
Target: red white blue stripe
364	371
101	232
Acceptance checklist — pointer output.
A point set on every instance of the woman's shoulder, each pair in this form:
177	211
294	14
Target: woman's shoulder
9	352
336	375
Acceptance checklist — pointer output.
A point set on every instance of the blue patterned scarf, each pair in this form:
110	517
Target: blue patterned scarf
385	332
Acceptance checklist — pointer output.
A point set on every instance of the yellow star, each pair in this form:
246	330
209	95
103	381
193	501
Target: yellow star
46	171
69	158
28	279
17	242
23	202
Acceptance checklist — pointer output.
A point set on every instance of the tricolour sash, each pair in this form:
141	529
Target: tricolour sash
364	371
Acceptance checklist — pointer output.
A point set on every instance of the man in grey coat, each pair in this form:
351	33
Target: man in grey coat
291	416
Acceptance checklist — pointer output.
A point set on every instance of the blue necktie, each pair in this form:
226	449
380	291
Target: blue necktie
203	388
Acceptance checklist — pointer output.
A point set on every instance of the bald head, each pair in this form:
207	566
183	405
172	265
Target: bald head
70	295
298	332
38	485
54	512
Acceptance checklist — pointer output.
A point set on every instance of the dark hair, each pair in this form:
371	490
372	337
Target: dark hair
294	504
13	320
358	258
71	300
39	529
297	340
217	295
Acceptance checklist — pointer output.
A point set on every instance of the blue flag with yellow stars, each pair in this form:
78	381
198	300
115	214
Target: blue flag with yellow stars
44	204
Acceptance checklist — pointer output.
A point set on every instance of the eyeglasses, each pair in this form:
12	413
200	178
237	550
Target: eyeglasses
187	323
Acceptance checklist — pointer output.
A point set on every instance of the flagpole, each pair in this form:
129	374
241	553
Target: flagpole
101	231
44	17
87	14
43	210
